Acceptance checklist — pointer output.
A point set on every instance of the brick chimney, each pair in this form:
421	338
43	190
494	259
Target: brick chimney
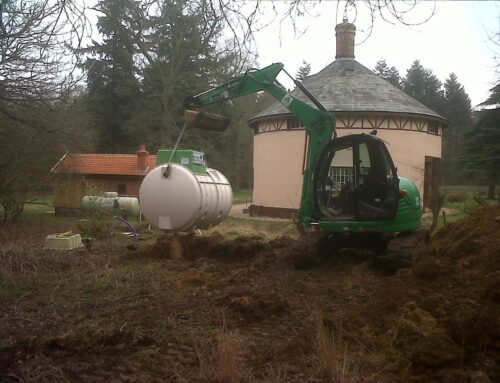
142	158
345	33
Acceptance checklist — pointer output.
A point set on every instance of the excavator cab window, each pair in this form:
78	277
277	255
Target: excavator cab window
356	180
377	183
336	191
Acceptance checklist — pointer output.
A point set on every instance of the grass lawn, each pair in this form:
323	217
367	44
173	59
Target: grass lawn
460	199
242	196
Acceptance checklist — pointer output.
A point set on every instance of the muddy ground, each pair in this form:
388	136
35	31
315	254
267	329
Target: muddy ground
219	309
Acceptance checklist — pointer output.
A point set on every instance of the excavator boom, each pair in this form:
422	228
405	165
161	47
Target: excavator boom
317	121
252	81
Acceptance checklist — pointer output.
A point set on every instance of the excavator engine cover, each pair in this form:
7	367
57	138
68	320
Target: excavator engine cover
206	121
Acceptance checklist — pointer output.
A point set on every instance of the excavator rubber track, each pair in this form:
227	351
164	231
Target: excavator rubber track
388	255
403	250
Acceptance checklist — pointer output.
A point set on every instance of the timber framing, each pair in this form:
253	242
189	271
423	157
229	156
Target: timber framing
359	120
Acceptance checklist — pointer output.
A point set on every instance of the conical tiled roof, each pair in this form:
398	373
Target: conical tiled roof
347	86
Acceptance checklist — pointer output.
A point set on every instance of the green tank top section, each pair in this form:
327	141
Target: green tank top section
191	159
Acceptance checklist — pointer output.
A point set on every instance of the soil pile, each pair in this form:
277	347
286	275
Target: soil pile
438	321
434	322
192	247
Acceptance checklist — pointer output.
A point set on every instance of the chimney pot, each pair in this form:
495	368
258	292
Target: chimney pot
345	34
142	158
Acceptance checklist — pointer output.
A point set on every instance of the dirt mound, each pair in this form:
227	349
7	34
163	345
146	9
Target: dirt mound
212	246
439	320
167	246
237	249
434	322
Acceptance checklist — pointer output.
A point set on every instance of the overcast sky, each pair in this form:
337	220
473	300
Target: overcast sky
455	39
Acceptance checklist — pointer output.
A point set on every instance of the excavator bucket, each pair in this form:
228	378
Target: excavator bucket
206	121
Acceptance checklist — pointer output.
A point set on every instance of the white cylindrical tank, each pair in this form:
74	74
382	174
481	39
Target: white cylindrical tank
174	198
90	202
129	204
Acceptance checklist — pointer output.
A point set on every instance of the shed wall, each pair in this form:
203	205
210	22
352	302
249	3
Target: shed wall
69	189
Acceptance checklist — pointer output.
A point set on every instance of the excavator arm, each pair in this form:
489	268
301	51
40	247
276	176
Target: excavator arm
318	122
257	80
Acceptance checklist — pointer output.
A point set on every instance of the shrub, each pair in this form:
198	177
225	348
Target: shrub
456	197
93	228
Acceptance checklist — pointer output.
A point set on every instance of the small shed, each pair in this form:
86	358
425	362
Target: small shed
79	174
362	102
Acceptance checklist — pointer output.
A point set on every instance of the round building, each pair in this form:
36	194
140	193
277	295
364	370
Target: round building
362	102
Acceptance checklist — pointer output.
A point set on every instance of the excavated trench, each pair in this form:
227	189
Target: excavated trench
435	321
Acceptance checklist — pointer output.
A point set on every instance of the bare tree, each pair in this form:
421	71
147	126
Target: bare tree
245	18
388	11
34	36
35	92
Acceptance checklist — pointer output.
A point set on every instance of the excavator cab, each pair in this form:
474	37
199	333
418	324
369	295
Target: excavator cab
355	180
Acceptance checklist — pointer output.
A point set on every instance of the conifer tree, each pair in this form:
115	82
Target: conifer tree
457	110
153	55
180	43
481	152
424	86
394	77
381	68
113	89
390	74
303	71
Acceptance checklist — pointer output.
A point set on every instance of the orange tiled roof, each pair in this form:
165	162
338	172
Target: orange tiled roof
111	164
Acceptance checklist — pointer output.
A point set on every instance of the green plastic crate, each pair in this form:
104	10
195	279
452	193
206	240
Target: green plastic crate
53	242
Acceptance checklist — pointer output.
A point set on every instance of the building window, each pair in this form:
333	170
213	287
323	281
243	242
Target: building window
433	128
293	123
340	176
122	189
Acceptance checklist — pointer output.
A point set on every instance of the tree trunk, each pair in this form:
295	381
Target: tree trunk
491	189
166	130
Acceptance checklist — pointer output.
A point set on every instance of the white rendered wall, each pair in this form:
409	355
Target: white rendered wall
277	167
278	160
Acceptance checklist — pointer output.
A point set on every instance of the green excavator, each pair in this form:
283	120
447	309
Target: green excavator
368	206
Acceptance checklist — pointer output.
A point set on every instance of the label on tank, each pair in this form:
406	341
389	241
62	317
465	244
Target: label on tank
184	161
199	159
164	223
